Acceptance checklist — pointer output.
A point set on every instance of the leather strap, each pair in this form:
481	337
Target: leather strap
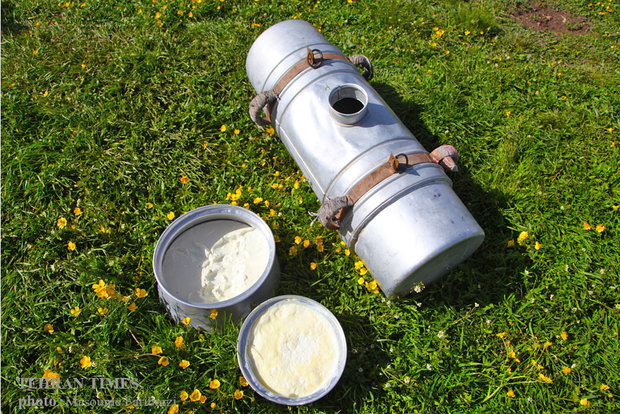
393	165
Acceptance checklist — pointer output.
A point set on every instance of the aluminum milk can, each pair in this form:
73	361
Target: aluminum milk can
391	201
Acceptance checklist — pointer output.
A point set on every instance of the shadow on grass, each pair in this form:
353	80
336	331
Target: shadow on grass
9	24
494	270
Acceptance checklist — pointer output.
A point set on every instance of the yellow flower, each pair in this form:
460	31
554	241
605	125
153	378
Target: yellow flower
347	252
312	266
510	393
297	239
223	128
236	131
258	200
363	271
71	245
157	15
179	342
547	344
584	402
600	228
195	396
501	335
544	378
212	405
270	131
184	364
292	251
214	384
35	52
61	222
75	311
537	246
203	399
102	311
85	362
49	374
522	236
296	185
604	387
213	314
564	335
587	226
156	350
48	328
163	361
141	293
132	307
174	409
184	179
615	207
238	394
359	264
149	205
566	370
467	32
186	321
183	396
190	14
170	215
361	281
180	12
372	285
267	203
77	211
244	382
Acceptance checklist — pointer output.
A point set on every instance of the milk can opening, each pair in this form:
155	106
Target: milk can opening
348	103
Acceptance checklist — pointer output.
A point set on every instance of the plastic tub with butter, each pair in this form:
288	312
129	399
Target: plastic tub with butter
292	350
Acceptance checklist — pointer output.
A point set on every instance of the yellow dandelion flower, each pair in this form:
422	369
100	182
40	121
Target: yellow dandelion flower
163	361
179	342
195	395
170	215
297	239
244	382
77	211
537	246
223	128
85	362
522	237
174	409
156	350
48	328
102	311
184	179
600	228
510	393
183	395
184	363
312	265
186	320
587	226
71	245
213	314
566	370
61	222
238	394
75	311
141	293
132	307
214	384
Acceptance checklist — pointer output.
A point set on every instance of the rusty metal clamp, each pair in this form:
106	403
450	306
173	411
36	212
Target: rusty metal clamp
314	61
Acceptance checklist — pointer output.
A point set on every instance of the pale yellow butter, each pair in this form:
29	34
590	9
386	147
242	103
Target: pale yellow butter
294	349
233	264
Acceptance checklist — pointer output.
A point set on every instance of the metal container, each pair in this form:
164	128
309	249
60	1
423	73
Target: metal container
248	368
178	258
410	228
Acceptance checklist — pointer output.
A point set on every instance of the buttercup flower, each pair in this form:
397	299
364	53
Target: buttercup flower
141	293
156	350
604	387
544	378
85	362
213	314
183	396
75	311
184	364
564	335
71	246
184	179
312	266
164	361
186	321
600	228
522	237
48	328
170	215
223	128
584	402
587	226
132	307
244	382
214	384
566	370
238	394
77	211
61	222
102	311
195	396
49	374
510	393
174	409
179	342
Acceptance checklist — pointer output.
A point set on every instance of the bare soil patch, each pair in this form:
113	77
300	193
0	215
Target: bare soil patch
545	17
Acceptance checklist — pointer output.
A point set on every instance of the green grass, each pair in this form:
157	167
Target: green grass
104	110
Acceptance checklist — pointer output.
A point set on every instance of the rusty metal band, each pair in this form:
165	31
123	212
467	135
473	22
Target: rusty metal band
310	61
392	166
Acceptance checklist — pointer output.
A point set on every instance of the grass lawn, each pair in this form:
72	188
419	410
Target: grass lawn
118	116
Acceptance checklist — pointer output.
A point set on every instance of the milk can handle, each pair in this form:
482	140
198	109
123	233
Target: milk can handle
258	103
363	62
